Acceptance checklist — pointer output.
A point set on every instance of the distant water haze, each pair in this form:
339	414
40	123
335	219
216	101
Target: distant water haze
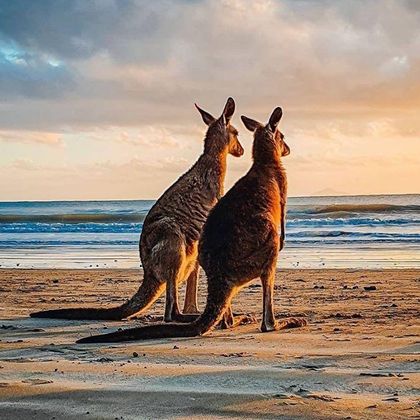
379	231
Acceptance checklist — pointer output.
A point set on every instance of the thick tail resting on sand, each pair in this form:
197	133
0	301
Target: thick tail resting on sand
211	316
144	297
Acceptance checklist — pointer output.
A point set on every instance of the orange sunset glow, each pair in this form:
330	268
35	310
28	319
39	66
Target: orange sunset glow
88	116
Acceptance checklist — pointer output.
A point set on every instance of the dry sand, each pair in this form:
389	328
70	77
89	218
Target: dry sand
357	358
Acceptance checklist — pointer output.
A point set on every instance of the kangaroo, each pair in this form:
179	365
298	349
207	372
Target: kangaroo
239	242
171	230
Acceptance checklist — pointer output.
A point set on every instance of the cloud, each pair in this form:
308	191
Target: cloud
25	74
23	179
126	73
51	139
74	29
161	56
138	165
150	136
24	165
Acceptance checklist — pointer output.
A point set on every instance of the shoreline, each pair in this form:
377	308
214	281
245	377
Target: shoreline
355	257
358	357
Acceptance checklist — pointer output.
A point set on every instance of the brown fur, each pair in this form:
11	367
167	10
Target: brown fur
171	230
240	240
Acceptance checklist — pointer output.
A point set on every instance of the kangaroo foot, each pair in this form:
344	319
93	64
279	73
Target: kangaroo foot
190	309
292	323
171	312
269	324
169	318
236	321
283	324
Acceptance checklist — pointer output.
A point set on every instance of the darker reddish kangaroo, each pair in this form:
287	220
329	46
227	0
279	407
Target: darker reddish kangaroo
172	228
240	240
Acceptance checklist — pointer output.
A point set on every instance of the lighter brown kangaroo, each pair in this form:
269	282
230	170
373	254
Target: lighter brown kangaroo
240	240
171	230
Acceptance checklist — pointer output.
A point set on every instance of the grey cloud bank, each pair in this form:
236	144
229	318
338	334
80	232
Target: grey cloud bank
130	62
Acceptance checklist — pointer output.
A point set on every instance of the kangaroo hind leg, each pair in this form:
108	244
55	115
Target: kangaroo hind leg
190	312
269	322
191	304
168	262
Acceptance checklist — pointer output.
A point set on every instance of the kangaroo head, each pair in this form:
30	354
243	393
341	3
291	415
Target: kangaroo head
269	145
221	134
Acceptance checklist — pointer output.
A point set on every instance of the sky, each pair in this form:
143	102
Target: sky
97	97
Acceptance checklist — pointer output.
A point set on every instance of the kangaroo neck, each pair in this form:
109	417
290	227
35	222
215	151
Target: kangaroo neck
212	166
274	168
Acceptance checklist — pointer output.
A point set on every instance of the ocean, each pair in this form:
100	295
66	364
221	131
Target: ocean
376	231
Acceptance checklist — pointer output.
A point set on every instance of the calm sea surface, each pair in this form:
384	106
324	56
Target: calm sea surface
380	231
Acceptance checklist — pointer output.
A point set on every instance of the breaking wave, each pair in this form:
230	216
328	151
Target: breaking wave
119	223
72	218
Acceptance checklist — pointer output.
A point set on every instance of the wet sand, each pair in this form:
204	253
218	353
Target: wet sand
357	358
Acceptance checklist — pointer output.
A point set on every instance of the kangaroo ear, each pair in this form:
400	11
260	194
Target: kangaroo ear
207	118
249	123
275	118
228	110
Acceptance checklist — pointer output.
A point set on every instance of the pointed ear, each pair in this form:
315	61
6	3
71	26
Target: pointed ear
275	118
207	118
249	123
229	110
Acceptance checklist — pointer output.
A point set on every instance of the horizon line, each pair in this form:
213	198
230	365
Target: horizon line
154	199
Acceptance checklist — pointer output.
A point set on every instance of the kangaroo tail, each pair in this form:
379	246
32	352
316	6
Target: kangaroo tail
147	293
217	302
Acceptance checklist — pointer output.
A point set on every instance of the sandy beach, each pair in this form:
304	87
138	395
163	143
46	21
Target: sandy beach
357	358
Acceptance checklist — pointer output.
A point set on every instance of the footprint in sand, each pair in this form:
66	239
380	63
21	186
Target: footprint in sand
36	381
